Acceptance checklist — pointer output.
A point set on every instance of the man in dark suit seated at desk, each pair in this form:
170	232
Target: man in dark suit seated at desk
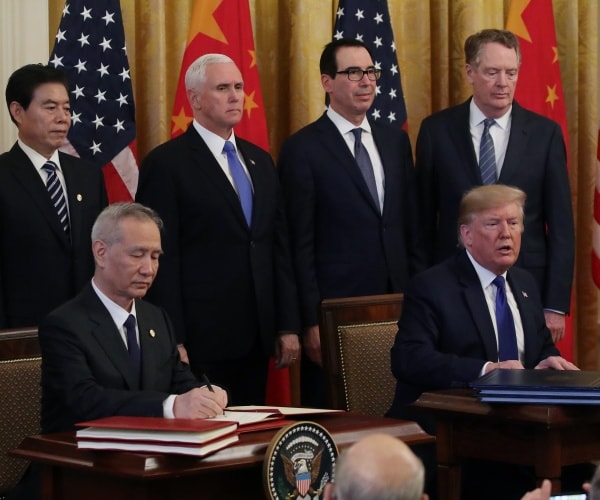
474	312
106	352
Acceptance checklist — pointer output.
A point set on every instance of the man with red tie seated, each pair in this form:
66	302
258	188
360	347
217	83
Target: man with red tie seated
474	312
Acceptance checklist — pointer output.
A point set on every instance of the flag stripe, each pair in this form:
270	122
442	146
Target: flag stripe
90	47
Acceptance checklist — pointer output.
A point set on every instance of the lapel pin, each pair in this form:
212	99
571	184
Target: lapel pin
79	197
252	161
525	295
152	333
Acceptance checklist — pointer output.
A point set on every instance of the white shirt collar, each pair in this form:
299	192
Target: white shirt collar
214	142
37	159
476	116
485	275
343	125
117	313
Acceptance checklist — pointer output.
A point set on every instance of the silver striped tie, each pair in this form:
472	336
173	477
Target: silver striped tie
487	154
57	195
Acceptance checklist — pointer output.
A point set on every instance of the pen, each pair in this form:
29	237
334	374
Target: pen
207	382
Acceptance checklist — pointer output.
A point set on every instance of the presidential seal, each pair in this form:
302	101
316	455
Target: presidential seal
299	462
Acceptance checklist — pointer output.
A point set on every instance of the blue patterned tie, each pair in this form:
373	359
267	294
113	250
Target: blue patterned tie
507	337
57	195
132	343
242	183
487	154
364	164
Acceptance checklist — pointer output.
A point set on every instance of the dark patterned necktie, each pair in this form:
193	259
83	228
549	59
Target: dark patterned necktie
242	183
507	337
364	164
57	195
132	343
487	154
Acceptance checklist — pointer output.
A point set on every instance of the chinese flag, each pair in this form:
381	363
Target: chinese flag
225	27
540	86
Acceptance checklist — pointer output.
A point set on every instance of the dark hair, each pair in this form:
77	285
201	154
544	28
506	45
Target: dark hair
328	62
474	44
23	82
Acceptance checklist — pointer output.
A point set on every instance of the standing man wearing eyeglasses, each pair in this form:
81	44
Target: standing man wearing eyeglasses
350	198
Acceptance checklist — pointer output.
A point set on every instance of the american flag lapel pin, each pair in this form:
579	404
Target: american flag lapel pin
525	294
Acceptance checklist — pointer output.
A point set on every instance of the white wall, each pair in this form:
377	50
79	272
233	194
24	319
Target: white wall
24	40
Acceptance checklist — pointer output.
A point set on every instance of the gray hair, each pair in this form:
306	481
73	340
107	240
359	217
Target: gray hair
195	75
106	227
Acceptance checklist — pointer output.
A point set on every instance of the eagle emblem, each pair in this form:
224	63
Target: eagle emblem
299	462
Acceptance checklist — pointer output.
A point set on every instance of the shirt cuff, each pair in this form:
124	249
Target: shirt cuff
168	406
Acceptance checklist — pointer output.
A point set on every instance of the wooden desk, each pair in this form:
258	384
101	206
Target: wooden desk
546	437
234	472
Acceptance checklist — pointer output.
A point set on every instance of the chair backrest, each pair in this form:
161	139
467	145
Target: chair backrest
20	398
356	336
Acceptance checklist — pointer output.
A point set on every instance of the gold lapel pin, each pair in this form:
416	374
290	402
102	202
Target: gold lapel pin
152	333
79	197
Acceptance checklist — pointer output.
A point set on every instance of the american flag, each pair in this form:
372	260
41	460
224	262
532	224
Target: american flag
90	48
369	22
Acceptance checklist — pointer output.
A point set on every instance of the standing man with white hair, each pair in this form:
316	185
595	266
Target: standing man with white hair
227	281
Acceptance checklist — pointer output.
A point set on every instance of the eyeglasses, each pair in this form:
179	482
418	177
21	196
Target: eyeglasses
356	74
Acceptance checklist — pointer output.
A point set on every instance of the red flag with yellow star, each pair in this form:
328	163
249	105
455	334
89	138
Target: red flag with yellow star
225	27
540	86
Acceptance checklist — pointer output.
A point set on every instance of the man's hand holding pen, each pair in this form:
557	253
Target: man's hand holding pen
204	402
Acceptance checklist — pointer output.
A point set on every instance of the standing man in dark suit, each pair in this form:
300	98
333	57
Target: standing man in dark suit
469	315
45	256
527	151
227	280
354	232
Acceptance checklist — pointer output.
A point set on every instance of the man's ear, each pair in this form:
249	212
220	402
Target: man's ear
16	111
99	249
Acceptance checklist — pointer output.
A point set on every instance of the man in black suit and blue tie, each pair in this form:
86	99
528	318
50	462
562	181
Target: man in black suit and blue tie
350	196
227	280
473	313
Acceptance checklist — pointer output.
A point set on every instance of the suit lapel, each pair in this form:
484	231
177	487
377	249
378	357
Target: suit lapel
333	143
475	300
459	131
517	142
523	303
25	174
109	338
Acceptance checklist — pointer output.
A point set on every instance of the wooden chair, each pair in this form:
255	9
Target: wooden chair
20	399
356	336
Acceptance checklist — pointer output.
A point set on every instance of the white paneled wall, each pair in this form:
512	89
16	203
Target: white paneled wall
24	40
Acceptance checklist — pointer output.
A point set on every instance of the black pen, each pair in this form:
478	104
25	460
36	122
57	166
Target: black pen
207	382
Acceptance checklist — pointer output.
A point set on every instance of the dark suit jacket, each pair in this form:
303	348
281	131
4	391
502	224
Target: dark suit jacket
226	287
39	268
86	371
535	162
342	245
446	334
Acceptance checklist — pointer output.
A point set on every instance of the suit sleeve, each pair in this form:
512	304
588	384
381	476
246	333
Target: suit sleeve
299	193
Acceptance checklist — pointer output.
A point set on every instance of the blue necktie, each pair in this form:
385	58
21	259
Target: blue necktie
364	164
57	195
132	343
242	183
507	337
487	154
